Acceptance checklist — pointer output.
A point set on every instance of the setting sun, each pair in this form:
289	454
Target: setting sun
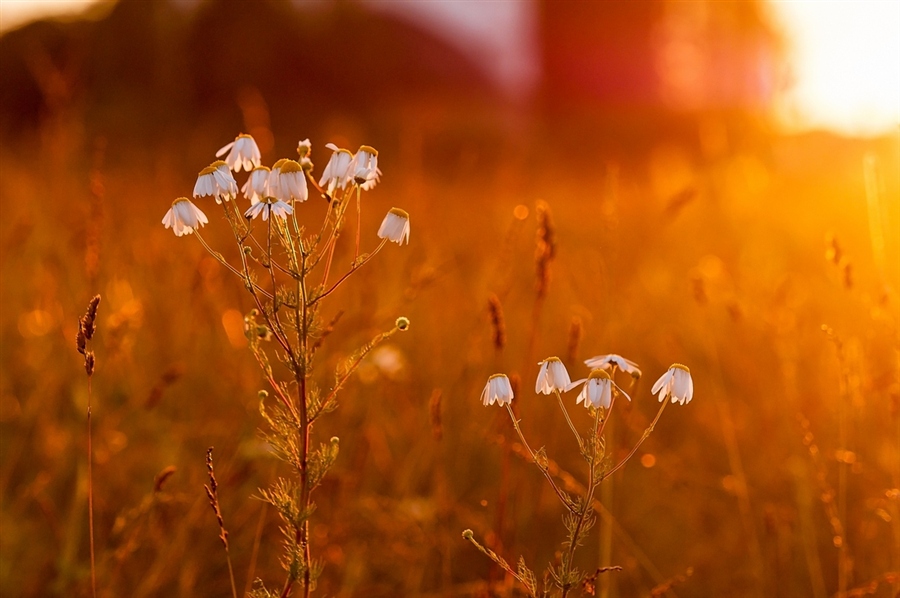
845	65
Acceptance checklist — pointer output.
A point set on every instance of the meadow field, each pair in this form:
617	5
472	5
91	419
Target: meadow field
767	263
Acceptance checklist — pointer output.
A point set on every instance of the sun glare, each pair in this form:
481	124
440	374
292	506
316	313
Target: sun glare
845	65
15	13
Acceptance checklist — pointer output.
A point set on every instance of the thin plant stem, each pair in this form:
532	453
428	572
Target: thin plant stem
358	221
562	496
218	257
254	551
602	427
90	460
354	268
568	419
585	509
634	449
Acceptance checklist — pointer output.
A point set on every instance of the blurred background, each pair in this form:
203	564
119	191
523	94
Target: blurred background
721	186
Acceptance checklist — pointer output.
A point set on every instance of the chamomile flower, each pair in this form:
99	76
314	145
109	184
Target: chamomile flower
497	390
216	180
598	390
184	217
552	376
269	205
336	171
242	153
607	362
395	226
675	383
364	167
304	149
255	187
287	182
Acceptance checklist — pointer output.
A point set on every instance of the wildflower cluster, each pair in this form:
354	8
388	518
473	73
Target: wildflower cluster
287	272
598	394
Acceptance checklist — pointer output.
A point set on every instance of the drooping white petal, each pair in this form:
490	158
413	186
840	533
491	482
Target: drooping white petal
395	226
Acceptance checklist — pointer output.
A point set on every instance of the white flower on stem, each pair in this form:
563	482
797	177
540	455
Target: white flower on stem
244	153
607	362
269	205
336	173
675	383
304	149
184	217
216	180
552	376
255	187
497	390
598	390
364	167
287	182
395	226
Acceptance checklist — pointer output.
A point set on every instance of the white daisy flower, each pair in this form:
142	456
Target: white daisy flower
269	205
216	180
287	181
607	362
304	149
336	173
364	167
184	217
497	390
244	153
552	376
395	226
598	390
255	187
675	383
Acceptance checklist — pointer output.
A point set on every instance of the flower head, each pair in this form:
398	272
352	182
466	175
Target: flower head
675	383
244	153
255	187
304	148
395	226
269	205
364	167
607	362
552	376
216	180
184	217
287	181
497	390
598	390
337	170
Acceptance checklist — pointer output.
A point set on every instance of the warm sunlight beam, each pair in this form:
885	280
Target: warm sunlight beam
15	13
845	61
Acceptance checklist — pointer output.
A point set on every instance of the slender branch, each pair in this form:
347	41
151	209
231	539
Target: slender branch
562	496
639	442
354	268
583	512
568	419
219	258
90	456
608	415
358	220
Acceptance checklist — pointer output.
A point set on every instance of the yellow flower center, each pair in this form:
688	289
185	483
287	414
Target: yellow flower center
368	149
207	170
218	163
681	367
290	166
597	373
496	376
400	213
179	200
